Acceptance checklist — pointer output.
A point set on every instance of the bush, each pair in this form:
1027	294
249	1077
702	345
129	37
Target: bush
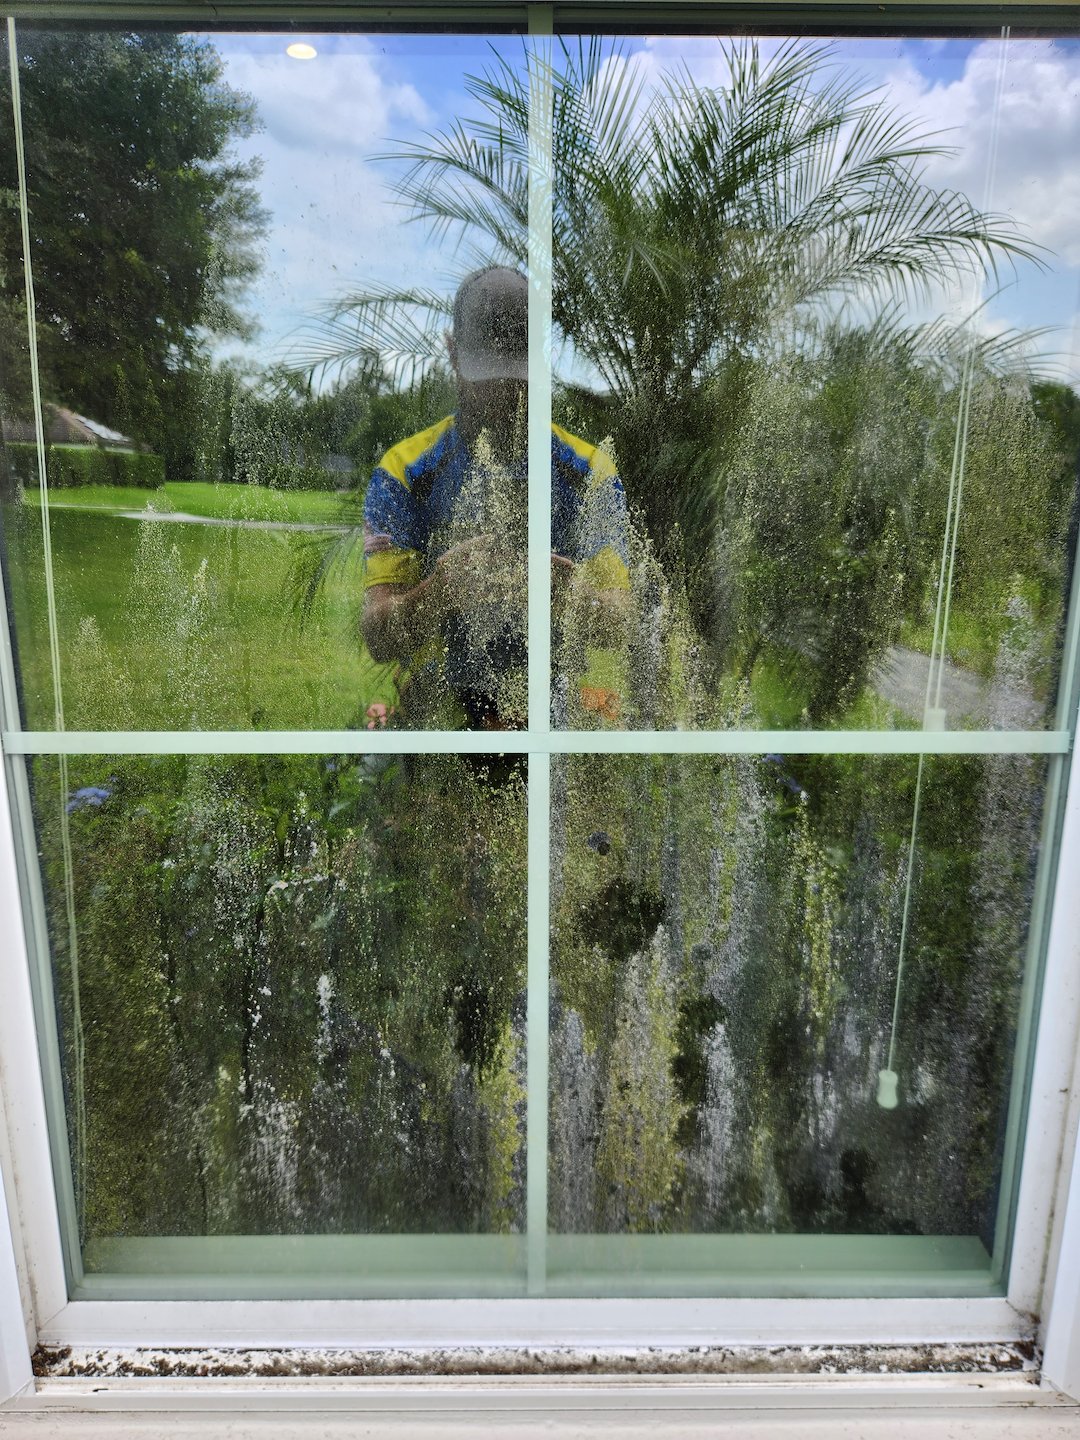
292	475
71	465
135	467
22	457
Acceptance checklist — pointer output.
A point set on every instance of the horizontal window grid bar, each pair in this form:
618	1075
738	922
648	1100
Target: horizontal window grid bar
663	16
839	17
522	742
278	14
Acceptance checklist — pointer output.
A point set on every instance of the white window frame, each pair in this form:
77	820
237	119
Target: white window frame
1043	1289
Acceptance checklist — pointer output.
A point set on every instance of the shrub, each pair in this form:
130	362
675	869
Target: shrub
135	467
70	465
292	475
22	457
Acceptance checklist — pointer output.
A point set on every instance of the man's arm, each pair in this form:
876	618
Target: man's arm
397	620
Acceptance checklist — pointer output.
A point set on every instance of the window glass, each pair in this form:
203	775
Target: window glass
813	325
404	1015
818	304
785	995
259	440
21	537
290	993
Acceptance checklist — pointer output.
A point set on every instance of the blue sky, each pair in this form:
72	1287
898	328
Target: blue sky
335	223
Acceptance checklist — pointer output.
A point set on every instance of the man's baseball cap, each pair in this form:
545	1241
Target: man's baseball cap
491	325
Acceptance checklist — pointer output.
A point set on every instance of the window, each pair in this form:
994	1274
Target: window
663	920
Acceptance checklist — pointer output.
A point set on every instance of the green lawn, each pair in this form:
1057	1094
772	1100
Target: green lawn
166	625
229	502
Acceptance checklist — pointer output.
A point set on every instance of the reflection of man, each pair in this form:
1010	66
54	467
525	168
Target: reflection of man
445	526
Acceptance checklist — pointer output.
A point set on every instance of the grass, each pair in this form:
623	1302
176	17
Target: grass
980	625
971	642
174	626
227	502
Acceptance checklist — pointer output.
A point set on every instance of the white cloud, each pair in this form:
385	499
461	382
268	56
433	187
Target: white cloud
1011	118
704	58
334	223
1030	118
339	102
1036	175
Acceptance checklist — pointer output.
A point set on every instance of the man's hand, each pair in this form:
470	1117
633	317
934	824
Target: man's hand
481	574
475	576
397	620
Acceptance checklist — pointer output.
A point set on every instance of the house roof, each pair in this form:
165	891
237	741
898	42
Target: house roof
65	427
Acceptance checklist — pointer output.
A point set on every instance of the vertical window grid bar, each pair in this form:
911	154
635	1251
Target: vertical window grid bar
539	782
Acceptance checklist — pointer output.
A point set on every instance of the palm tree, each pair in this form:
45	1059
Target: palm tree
697	233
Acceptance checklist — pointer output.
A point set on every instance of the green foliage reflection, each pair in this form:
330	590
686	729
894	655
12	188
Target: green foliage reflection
300	989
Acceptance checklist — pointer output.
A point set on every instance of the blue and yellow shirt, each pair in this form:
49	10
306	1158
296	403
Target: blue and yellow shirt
415	488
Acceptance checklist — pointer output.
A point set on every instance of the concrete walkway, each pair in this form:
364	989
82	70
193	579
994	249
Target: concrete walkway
179	517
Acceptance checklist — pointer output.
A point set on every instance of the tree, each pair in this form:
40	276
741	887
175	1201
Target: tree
142	228
698	234
819	547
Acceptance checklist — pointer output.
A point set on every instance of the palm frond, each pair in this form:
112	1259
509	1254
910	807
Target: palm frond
689	222
393	332
318	558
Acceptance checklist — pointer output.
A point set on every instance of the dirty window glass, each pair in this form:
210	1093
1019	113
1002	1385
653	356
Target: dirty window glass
760	1027
256	435
430	989
291	1002
816	305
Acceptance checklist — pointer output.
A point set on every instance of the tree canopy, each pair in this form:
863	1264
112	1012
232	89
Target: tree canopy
704	238
690	223
142	225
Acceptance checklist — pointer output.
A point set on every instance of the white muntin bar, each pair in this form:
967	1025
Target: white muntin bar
540	203
539	430
550	742
537	1038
